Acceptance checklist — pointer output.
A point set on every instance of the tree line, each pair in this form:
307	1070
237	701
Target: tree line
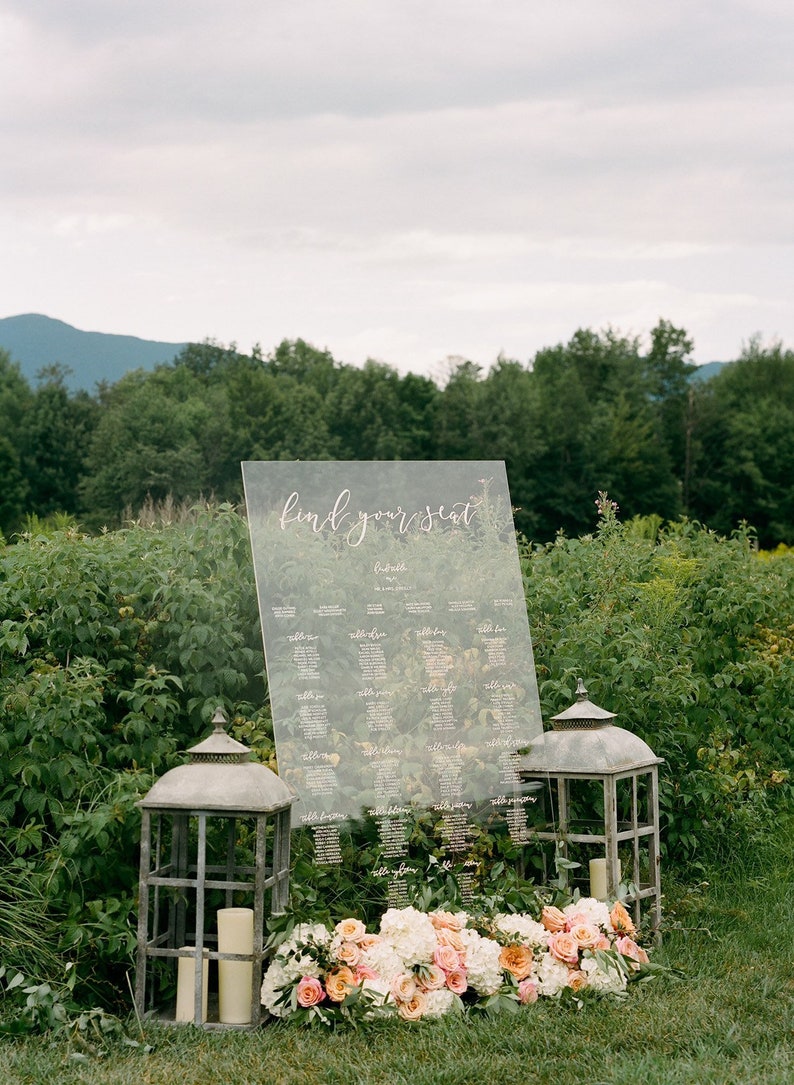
602	412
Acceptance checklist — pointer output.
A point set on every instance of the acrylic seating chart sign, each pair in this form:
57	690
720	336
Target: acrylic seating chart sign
397	647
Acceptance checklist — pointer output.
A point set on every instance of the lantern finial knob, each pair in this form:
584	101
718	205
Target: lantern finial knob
581	692
220	719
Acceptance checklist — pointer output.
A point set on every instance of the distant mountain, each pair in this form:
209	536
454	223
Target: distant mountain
708	370
36	341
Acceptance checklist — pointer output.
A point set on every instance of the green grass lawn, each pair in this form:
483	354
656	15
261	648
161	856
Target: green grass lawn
727	1018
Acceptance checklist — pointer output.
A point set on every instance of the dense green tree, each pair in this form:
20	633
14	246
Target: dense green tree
375	414
150	442
743	467
57	433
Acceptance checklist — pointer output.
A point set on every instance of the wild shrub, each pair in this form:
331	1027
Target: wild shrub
116	649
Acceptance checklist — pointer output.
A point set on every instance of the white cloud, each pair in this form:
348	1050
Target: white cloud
404	180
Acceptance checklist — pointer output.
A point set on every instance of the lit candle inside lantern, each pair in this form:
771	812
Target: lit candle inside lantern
235	978
598	879
186	987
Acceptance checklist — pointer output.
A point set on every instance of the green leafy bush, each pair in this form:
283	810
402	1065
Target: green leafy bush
115	651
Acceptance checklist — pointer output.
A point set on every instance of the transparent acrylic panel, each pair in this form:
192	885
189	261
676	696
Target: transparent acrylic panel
396	639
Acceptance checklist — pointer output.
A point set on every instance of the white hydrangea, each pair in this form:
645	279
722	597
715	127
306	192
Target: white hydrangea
552	976
441	1002
594	911
274	979
523	927
410	934
384	960
603	978
483	971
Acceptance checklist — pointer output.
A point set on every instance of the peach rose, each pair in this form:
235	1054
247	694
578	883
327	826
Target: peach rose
445	921
553	919
586	935
457	981
351	930
367	941
527	992
620	919
349	953
310	992
577	980
517	959
447	937
414	1008
339	983
403	987
564	947
447	958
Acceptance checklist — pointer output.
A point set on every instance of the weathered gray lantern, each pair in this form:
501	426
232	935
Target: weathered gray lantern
582	752
215	843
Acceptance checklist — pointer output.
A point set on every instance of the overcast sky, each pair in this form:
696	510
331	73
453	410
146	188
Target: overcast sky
406	180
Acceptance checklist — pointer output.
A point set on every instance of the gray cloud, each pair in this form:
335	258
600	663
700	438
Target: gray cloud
447	176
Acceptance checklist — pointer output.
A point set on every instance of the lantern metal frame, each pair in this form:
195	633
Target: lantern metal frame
179	867
584	745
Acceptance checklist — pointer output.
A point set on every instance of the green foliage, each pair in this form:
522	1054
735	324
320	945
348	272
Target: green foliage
688	640
115	651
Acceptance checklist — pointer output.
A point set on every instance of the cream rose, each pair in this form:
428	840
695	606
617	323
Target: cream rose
349	953
403	987
414	1008
350	930
586	935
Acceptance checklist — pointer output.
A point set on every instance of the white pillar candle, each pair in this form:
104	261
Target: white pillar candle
598	879
186	986
235	978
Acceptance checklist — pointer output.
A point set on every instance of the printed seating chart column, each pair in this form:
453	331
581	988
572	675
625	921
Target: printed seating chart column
397	647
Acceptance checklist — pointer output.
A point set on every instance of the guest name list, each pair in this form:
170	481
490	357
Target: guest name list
398	652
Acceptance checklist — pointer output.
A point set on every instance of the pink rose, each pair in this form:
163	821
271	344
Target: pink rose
457	982
527	992
564	947
553	919
364	972
310	992
629	948
447	958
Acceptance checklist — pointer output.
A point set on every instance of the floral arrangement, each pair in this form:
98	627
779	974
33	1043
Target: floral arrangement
426	964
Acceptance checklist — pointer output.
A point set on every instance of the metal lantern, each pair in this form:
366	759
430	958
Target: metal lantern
215	854
585	750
